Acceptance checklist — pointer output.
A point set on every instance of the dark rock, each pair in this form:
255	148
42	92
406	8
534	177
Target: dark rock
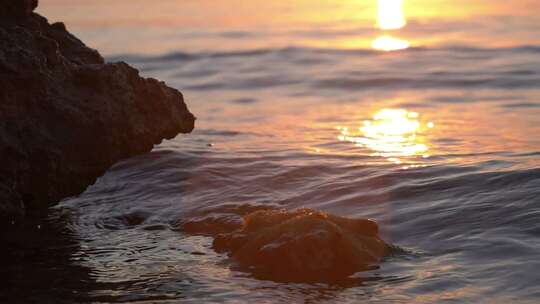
65	115
16	10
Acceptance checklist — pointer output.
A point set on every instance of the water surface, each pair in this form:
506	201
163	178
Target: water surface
290	101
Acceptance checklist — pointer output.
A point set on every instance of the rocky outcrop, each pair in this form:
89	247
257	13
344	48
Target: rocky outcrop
294	246
65	115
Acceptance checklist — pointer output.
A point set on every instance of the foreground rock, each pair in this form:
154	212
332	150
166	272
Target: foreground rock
65	115
298	246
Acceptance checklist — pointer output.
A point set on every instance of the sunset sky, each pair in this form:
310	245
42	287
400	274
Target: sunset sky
240	13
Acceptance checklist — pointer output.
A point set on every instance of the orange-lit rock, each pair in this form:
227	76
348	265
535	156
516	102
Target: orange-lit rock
303	245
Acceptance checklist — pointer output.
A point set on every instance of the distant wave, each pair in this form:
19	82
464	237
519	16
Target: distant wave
188	56
360	83
425	82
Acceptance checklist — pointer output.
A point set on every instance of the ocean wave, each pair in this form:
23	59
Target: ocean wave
288	51
304	71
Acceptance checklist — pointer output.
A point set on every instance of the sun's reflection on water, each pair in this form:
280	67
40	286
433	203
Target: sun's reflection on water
392	134
389	43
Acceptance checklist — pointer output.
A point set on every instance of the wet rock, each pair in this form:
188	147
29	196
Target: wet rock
212	224
66	116
303	245
218	219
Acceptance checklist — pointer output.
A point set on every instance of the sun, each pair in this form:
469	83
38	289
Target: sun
390	17
390	14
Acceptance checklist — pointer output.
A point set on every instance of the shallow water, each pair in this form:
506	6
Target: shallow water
293	124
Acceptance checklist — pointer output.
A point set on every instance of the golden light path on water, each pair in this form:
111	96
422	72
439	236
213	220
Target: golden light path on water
392	134
390	16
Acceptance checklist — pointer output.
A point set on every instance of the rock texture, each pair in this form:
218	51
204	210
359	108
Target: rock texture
65	115
295	246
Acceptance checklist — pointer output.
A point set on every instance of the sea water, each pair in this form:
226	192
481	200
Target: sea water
439	143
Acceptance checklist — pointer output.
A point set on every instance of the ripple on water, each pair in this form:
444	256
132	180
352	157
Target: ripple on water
466	217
